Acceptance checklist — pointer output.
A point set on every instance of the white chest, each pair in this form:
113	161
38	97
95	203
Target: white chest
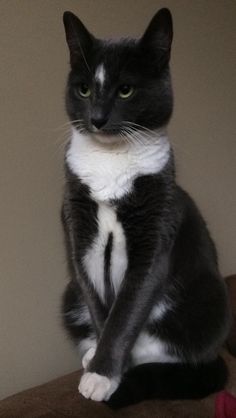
94	260
110	170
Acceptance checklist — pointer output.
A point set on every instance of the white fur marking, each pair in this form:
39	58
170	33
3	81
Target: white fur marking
148	349
88	357
94	258
158	311
96	387
110	169
119	259
100	75
86	344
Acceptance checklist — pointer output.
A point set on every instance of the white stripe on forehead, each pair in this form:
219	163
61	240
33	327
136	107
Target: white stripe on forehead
100	74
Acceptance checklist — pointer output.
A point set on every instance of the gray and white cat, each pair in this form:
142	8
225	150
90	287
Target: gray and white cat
146	304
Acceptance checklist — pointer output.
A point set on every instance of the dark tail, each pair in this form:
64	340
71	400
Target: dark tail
169	381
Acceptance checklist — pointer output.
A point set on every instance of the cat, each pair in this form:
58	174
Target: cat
146	305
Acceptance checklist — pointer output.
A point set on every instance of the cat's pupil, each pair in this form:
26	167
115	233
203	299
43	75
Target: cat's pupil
125	89
84	88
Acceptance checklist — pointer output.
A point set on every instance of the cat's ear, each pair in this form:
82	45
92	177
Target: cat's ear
78	38
158	36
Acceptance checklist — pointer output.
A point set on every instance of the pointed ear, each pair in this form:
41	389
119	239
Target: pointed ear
158	35
78	38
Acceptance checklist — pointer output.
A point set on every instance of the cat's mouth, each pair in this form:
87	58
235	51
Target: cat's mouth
106	131
106	135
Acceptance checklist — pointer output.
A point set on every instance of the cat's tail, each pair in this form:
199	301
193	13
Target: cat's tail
169	381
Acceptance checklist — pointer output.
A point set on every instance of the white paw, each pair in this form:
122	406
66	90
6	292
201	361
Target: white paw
88	357
96	387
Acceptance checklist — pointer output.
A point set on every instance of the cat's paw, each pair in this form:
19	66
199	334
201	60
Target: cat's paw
88	357
96	387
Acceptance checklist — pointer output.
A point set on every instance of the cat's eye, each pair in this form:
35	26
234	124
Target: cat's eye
125	91
84	90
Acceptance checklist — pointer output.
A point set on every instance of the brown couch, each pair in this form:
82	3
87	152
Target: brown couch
60	397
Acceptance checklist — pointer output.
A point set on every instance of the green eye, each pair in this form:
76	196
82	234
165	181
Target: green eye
84	90
125	91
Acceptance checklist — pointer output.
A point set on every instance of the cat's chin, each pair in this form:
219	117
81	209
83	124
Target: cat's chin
106	139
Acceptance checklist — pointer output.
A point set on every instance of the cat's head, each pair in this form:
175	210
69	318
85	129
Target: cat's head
119	88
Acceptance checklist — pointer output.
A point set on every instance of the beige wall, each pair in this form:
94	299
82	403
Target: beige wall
33	348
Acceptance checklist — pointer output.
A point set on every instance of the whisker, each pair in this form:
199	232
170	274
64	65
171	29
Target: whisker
69	123
134	134
133	137
143	128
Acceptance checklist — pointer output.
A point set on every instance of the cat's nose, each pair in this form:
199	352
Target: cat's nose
99	122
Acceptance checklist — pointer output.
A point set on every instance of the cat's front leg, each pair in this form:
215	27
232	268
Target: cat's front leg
127	317
97	387
93	385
